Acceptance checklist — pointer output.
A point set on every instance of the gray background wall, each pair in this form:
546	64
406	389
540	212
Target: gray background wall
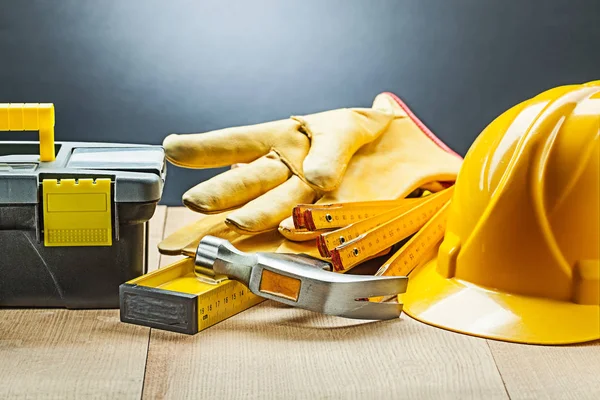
134	71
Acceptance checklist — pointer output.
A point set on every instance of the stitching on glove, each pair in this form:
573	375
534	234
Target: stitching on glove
286	163
205	210
240	229
300	174
303	128
179	164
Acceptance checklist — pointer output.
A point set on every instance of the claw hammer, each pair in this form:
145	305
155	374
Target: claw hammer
302	281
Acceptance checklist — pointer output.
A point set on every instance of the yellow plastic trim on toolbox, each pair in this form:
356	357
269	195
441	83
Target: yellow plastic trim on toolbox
77	213
31	117
215	302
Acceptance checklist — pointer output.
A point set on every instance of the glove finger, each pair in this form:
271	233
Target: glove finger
226	146
267	211
289	231
263	242
237	186
213	225
335	136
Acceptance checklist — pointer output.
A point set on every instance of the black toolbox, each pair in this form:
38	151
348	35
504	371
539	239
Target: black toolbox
73	216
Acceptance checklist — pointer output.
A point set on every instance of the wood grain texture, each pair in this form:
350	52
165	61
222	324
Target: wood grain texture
157	229
549	372
67	354
273	351
75	354
177	218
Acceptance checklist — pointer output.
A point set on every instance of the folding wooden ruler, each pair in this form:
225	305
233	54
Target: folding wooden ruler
363	230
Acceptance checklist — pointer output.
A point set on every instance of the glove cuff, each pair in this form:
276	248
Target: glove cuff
389	102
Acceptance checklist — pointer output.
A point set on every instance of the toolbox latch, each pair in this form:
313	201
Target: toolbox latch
77	212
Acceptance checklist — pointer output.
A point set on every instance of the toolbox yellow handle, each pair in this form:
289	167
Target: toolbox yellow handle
31	117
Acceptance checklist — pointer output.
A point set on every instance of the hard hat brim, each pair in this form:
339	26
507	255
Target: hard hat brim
467	308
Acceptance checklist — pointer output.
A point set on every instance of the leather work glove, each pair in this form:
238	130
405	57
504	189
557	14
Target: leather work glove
406	157
390	154
287	162
185	241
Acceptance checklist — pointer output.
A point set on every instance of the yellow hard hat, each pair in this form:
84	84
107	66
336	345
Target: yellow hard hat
520	257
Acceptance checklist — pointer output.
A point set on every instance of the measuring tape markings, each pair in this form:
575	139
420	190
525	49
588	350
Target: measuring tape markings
386	235
328	241
349	213
416	250
223	301
337	215
411	254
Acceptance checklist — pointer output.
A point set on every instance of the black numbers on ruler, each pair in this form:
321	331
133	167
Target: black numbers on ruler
226	300
205	317
210	307
233	296
202	310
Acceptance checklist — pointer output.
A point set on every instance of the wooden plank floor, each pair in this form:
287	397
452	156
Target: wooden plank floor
273	351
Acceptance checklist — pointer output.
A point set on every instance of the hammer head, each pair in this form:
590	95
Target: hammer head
303	281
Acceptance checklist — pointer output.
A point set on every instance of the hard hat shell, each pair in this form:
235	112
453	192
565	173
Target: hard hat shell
520	257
